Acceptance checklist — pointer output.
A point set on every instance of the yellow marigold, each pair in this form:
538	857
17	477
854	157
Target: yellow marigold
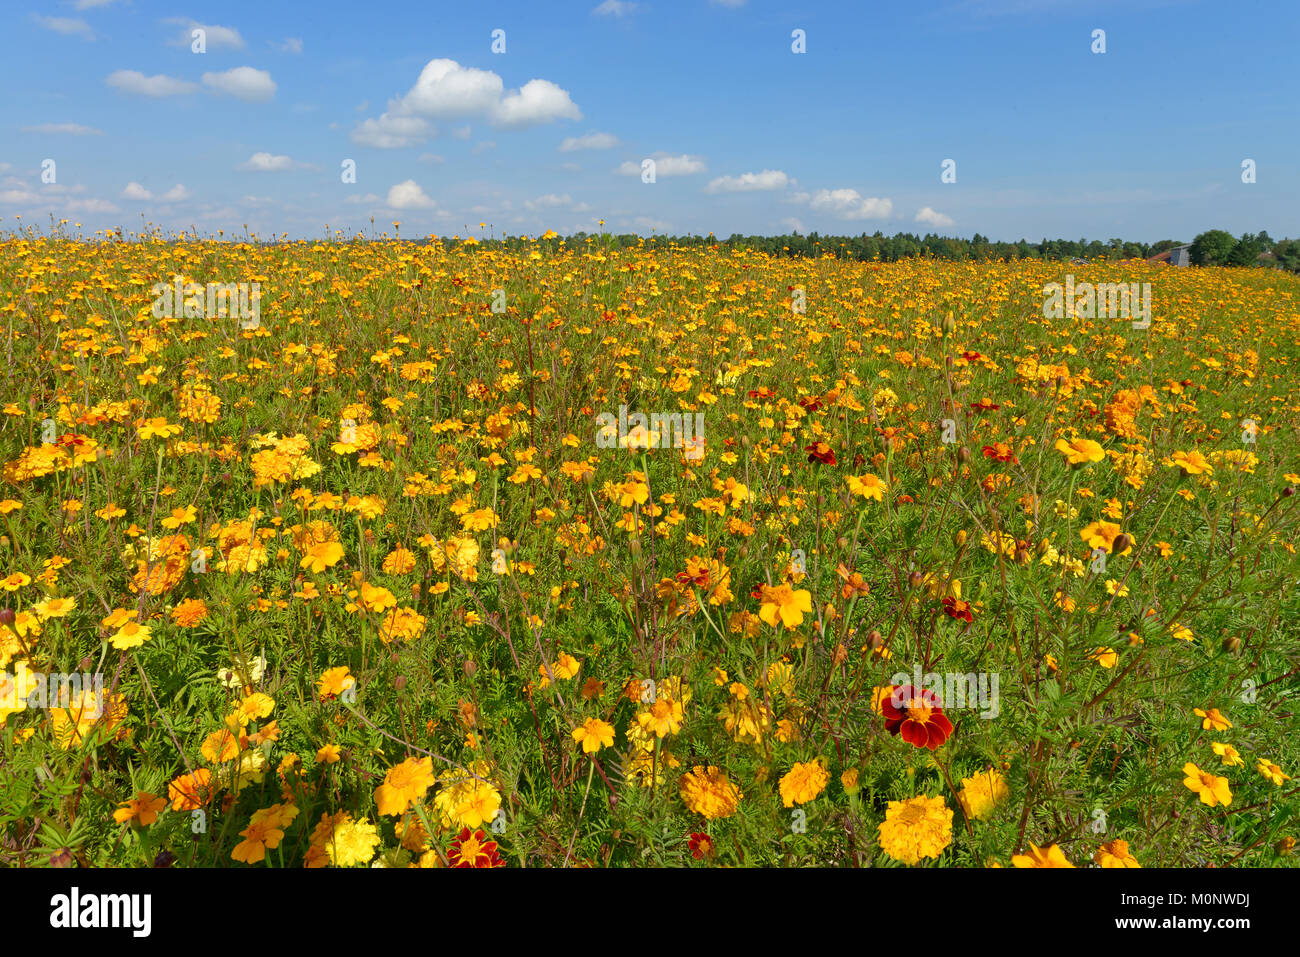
468	798
982	792
917	828
404	784
708	792
1210	788
1051	856
1115	854
803	782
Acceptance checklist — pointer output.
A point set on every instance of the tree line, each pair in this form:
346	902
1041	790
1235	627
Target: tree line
1215	247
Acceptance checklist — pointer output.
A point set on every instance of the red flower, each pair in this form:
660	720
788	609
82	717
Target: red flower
812	403
762	394
474	851
971	356
701	846
1001	452
956	608
917	716
985	405
821	452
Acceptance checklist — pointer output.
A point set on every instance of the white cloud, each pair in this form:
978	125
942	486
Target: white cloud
447	90
137	192
432	159
215	37
243	82
549	201
538	101
463	132
91	4
749	182
666	165
409	195
794	224
291	45
483	146
369	199
588	141
615	8
19	196
68	26
728	3
91	206
133	81
928	215
71	129
267	163
848	204
388	132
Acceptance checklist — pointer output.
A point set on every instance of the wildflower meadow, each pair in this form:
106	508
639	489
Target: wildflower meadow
567	553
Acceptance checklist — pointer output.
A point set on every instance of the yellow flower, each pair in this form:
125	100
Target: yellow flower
867	486
1271	771
352	842
321	556
708	792
1051	856
1115	854
1213	720
130	635
1080	451
785	605
662	718
328	754
404	785
467	798
1210	788
594	734
803	782
1106	657
1228	754
335	681
1192	463
917	828
982	792
142	809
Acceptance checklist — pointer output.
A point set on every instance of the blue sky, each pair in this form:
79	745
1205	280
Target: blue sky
1144	141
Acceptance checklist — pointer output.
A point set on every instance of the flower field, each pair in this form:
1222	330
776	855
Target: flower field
461	554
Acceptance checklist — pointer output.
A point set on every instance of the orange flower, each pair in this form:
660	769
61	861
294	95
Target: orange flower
142	809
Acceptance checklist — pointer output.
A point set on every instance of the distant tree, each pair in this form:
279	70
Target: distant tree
1246	251
1212	248
1162	246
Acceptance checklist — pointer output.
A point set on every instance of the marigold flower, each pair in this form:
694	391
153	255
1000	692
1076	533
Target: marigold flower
1051	856
916	716
1115	854
708	792
917	828
803	782
1210	788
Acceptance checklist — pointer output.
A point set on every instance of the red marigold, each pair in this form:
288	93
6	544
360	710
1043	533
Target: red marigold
701	846
1000	452
956	608
916	715
820	452
474	850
